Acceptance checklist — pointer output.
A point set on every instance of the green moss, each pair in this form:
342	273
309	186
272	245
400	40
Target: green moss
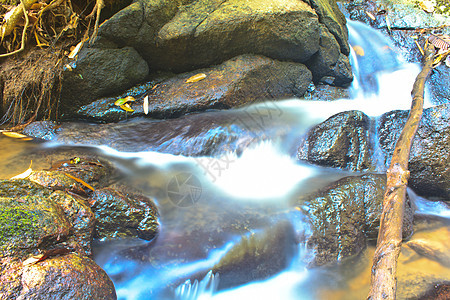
28	218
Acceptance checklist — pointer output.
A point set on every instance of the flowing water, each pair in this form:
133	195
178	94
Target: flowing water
210	204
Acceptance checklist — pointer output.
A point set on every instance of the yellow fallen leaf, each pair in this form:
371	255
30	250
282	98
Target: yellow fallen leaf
80	181
145	105
75	50
122	101
427	6
24	174
370	15
196	78
358	50
15	135
126	107
32	260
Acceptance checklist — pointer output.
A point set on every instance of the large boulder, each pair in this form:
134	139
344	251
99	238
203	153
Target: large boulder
98	72
241	80
183	35
342	141
345	215
60	277
37	226
429	160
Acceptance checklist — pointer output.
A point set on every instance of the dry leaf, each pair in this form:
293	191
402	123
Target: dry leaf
196	78
24	174
15	135
34	259
145	105
75	50
358	50
370	15
427	6
80	181
126	107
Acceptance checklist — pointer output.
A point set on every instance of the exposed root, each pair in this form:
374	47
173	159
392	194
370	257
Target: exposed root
31	88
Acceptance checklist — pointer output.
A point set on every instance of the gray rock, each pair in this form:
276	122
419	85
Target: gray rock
120	213
345	215
342	141
99	72
429	160
242	80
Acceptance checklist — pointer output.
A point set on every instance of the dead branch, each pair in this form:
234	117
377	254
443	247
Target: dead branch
384	268
24	33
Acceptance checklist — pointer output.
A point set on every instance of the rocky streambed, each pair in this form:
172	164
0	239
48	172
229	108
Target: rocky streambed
98	183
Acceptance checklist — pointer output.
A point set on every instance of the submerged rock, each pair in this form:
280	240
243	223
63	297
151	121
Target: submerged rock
342	141
208	133
124	214
242	80
62	277
345	215
257	256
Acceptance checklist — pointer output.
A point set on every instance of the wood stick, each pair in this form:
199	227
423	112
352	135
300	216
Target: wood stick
384	268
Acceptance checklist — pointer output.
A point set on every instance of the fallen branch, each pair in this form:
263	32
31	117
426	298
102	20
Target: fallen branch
384	268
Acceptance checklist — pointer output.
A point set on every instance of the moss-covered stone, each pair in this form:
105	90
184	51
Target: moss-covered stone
28	218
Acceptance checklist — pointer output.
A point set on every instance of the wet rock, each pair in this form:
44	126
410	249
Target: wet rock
45	130
36	218
431	249
257	256
325	92
64	174
401	14
62	277
29	219
429	160
208	133
242	80
439	291
120	213
345	215
99	72
342	141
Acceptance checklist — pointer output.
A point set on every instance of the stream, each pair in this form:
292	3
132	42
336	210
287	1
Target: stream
209	204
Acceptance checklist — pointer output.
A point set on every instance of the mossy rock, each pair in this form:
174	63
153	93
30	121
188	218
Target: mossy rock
28	218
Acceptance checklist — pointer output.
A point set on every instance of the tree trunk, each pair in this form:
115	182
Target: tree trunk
384	268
